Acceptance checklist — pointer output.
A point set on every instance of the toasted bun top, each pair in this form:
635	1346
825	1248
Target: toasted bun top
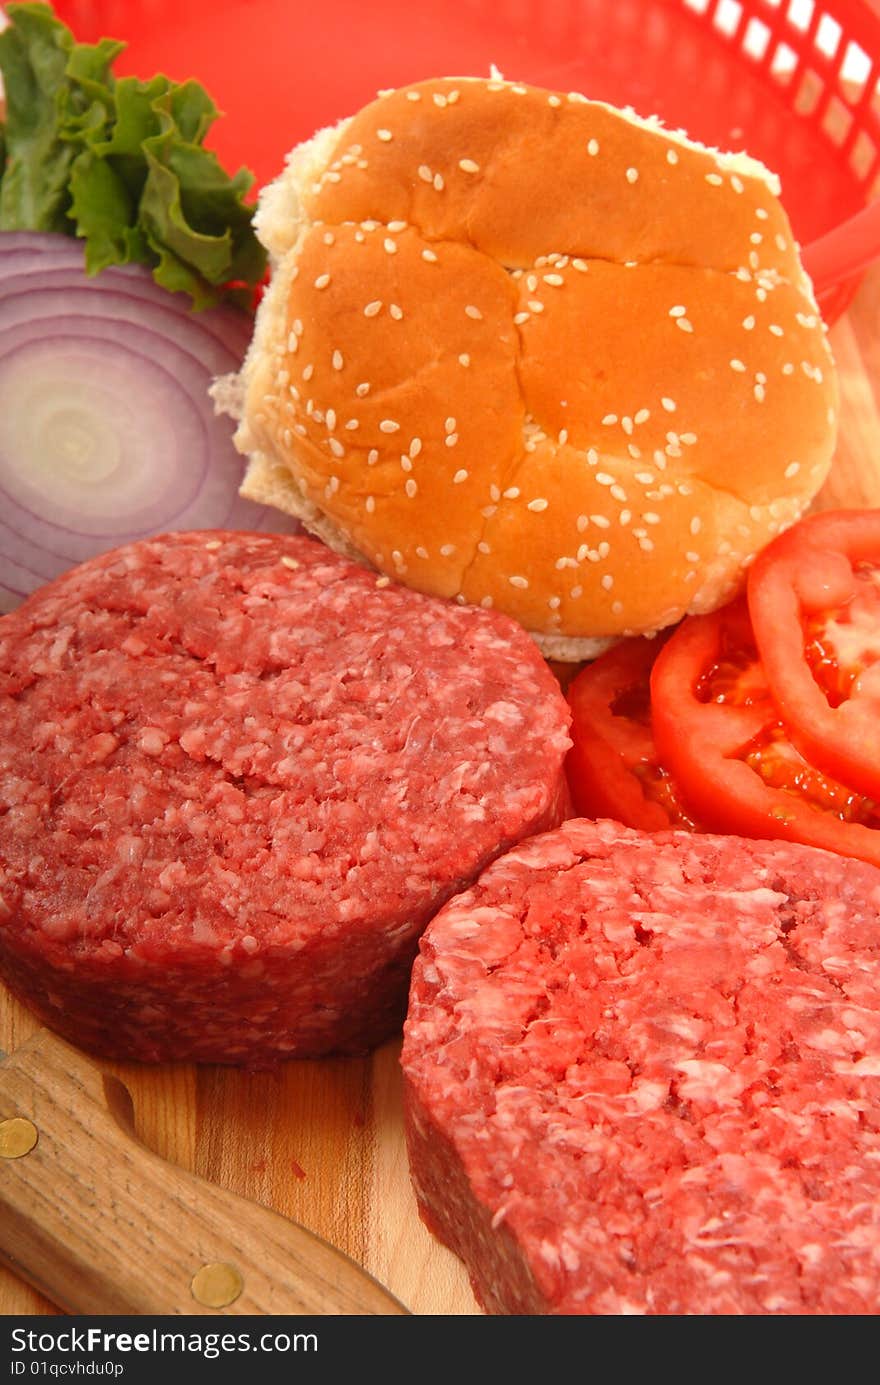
531	352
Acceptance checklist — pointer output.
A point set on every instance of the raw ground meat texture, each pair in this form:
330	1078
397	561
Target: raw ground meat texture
238	774
642	1077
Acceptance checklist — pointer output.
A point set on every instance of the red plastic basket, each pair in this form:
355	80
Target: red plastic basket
794	82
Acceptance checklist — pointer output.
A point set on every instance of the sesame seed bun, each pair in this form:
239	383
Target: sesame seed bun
530	352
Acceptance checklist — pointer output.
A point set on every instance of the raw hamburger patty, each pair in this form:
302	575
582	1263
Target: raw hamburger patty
238	775
642	1077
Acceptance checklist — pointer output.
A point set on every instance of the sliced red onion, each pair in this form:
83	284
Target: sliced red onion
107	430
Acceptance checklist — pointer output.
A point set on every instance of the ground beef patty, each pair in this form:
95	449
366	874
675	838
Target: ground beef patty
642	1077
238	774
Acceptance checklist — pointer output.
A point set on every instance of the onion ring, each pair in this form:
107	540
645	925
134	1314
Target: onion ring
107	430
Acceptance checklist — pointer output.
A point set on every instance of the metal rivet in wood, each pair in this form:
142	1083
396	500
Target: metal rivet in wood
216	1285
18	1136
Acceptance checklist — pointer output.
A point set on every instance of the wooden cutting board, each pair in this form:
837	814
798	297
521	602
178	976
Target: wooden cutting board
322	1141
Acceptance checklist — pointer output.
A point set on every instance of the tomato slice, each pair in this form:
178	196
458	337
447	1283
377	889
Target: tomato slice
814	600
613	770
718	730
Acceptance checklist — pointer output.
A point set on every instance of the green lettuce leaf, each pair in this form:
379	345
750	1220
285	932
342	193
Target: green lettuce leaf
119	163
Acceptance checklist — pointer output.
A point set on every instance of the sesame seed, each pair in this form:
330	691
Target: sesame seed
425	173
651	518
351	424
459	477
683	323
788	368
447	550
483	547
362	389
322	281
604	479
761	213
395	311
473	312
439	99
413	96
755	238
642	416
736	364
336	447
468	166
592	456
390	245
634	452
405	462
760	393
581	523
627	425
695	525
331	176
607	581
372	457
669	405
330	418
792	470
520	582
677	311
555	279
688	439
388	425
536	506
451	439
618	493
781	242
520	318
286	560
373	308
384	135
536	305
715	179
411	489
438	182
494	493
593	148
512	493
563	437
776	330
382	581
337	360
415	447
449	425
609	420
308	372
694	557
671	156
464	359
737	183
429	256
748	322
576	591
554	100
632	175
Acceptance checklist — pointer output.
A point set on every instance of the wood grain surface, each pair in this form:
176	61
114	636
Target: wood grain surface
322	1141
